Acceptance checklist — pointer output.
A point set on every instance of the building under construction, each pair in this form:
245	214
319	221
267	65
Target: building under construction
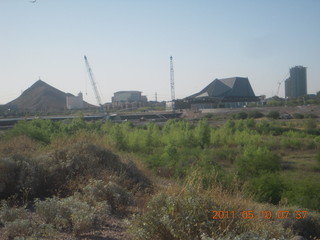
220	93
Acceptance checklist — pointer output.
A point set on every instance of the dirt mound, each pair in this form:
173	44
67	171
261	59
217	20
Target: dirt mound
41	97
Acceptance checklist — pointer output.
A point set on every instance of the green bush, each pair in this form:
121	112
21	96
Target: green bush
37	129
266	188
298	115
304	193
311	115
273	114
256	161
310	124
255	114
240	115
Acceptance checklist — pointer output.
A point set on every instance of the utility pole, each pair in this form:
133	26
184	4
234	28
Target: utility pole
172	79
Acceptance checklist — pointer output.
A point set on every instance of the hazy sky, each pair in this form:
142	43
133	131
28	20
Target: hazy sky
129	42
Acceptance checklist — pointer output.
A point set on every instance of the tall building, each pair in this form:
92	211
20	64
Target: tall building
296	84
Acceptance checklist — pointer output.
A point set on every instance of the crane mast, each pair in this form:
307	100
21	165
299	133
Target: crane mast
94	85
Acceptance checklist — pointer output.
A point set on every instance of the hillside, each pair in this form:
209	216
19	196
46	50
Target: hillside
41	97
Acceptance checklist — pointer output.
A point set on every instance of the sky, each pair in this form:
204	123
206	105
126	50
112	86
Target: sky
129	43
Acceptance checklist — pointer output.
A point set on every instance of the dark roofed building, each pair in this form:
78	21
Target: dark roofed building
228	92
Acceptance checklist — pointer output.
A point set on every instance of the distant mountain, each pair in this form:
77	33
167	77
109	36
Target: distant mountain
41	97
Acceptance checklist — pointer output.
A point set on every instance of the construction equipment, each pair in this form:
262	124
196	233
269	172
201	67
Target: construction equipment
279	84
94	85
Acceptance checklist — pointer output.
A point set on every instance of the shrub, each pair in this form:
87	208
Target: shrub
266	188
311	115
308	227
19	175
37	129
304	193
202	133
273	114
171	217
69	214
256	161
112	193
255	114
298	115
240	115
10	214
310	124
82	158
18	228
189	215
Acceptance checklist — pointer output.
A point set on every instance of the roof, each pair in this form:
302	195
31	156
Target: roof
133	91
227	87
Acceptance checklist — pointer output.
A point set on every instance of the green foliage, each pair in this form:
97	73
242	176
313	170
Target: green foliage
118	136
304	193
298	115
311	115
37	129
256	161
202	133
267	187
240	115
273	114
310	124
255	114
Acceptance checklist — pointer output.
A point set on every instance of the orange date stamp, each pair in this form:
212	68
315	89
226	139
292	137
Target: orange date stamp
220	215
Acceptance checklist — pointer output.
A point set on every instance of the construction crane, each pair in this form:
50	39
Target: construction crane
172	79
94	85
279	84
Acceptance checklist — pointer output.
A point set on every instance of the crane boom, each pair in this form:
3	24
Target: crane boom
279	84
94	85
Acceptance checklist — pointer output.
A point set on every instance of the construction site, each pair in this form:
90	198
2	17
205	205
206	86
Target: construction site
221	96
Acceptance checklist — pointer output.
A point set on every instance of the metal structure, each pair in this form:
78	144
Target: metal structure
94	85
279	84
172	79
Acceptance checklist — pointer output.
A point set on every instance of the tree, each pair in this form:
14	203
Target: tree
203	133
256	161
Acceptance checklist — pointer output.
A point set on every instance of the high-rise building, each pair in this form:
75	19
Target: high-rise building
296	84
